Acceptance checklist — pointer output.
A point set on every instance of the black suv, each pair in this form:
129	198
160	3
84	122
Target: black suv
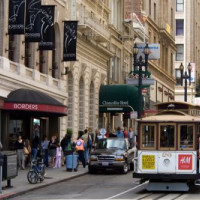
112	153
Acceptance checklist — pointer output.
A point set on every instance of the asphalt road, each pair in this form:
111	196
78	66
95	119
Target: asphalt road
103	186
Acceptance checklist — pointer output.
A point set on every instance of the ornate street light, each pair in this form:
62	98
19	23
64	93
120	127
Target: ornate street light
185	76
139	63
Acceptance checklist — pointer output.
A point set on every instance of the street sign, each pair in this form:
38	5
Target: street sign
153	48
145	81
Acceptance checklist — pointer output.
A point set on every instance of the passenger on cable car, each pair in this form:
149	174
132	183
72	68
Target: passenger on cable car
185	143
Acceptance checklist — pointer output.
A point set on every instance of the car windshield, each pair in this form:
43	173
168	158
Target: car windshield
111	144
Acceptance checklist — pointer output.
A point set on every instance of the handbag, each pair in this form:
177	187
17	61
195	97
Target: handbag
26	150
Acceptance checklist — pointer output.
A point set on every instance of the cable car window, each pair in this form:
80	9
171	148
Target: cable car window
148	137
186	136
167	137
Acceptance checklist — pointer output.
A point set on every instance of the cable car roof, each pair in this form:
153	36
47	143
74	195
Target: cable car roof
170	116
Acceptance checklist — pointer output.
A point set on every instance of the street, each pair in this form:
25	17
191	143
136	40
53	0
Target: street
109	185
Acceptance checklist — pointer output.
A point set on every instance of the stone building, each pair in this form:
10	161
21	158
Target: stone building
187	42
104	57
160	25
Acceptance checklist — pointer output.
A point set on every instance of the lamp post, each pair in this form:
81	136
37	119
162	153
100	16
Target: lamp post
139	63
185	76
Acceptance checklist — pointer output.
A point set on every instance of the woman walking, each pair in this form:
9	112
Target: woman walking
19	146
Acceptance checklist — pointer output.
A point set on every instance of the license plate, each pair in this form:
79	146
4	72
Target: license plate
105	163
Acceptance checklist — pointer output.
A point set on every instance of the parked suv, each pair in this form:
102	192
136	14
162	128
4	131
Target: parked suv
112	153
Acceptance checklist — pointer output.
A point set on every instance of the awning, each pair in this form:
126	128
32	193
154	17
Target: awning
118	98
33	101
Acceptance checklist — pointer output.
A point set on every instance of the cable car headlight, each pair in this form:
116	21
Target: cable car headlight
119	158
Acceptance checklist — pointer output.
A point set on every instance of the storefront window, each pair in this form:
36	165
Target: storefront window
166	136
186	136
15	128
148	136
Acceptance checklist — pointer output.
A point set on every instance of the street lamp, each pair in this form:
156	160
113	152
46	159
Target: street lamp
139	63
185	76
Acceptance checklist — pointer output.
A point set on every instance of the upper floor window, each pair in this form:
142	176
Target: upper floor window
154	11
179	5
179	27
179	52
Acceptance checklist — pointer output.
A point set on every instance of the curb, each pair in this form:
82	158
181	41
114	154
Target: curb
15	194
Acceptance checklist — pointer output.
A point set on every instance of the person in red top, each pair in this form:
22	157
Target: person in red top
125	133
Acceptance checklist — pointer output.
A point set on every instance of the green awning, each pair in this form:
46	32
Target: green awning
118	98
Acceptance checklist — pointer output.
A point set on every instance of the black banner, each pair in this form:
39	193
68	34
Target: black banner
16	17
70	37
33	21
47	28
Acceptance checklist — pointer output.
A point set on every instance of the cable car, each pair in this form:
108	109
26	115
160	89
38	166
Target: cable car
168	146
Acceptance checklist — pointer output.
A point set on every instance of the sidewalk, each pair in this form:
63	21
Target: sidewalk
21	185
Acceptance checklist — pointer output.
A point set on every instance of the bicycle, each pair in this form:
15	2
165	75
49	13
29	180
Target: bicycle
36	172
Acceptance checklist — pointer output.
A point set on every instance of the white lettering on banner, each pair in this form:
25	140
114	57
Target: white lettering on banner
25	106
185	160
114	102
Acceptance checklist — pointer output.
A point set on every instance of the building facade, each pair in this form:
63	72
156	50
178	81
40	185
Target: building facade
187	43
160	26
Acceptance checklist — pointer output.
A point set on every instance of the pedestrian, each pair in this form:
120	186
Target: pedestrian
79	144
52	150
119	132
58	156
87	145
67	145
27	152
35	147
19	146
125	132
45	149
130	137
112	134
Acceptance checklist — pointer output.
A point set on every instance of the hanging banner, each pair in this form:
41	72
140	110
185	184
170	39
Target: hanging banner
47	28
33	21
70	37
16	17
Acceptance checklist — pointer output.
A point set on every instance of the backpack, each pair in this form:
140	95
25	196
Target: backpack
68	147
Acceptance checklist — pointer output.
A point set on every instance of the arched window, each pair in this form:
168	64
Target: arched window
92	107
70	101
81	104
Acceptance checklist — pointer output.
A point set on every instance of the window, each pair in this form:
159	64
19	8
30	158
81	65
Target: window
186	137
114	66
179	52
179	27
155	11
167	136
179	5
148	137
149	7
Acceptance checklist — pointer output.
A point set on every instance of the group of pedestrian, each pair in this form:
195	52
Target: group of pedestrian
82	145
45	149
119	133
